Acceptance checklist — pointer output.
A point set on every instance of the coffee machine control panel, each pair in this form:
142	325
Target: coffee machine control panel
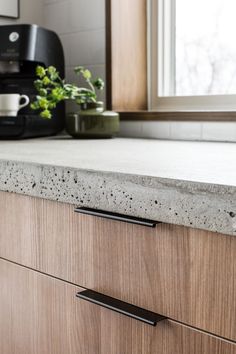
14	36
11	47
18	42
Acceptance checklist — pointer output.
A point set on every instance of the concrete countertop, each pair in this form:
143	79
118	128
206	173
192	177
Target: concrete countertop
185	183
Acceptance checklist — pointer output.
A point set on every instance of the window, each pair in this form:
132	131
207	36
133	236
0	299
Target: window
192	55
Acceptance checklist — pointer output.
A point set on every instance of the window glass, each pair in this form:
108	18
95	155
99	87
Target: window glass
205	47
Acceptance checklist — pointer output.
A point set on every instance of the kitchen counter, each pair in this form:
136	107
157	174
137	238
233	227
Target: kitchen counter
185	183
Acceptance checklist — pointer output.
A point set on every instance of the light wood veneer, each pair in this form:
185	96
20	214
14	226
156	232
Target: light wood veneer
126	54
41	315
185	274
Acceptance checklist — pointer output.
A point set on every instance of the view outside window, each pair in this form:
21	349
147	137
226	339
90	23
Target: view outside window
205	47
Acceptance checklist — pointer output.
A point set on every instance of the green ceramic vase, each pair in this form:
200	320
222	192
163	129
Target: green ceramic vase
91	121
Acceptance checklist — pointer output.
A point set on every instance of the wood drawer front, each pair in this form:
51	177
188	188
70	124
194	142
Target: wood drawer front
41	315
185	274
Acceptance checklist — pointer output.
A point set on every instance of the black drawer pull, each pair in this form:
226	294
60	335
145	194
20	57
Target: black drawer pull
124	308
118	217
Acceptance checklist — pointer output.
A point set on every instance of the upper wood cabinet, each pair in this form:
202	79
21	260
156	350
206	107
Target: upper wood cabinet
126	54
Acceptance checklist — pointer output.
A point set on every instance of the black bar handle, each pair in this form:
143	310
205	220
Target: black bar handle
119	306
117	217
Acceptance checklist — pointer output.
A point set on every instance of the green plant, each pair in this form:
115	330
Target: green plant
52	89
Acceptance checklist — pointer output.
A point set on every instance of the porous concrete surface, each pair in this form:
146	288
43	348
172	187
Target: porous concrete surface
184	183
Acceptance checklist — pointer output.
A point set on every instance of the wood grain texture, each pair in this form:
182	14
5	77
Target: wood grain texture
126	54
41	315
185	274
178	116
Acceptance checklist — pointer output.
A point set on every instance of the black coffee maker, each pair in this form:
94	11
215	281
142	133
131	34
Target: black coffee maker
22	48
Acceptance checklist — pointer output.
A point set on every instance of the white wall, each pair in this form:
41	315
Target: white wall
81	27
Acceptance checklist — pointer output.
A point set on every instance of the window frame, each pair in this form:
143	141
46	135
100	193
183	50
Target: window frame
120	46
161	34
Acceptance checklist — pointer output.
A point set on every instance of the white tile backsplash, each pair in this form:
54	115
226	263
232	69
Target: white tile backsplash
69	16
67	49
87	48
81	27
52	1
223	131
131	129
201	131
56	17
86	15
156	130
186	130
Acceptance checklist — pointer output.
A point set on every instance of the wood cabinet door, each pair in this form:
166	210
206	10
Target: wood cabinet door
185	274
41	315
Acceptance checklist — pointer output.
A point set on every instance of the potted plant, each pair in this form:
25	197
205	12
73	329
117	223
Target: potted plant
90	121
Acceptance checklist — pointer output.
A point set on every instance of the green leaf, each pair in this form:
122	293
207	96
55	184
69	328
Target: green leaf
87	74
52	70
52	105
58	94
43	102
78	69
34	105
46	114
43	92
46	81
53	73
99	83
40	71
38	84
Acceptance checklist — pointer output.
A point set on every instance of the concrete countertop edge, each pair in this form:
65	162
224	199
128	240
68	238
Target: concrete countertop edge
189	203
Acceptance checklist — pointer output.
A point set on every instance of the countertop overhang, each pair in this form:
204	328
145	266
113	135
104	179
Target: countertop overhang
185	183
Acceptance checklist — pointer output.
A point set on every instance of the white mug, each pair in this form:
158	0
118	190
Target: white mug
10	104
